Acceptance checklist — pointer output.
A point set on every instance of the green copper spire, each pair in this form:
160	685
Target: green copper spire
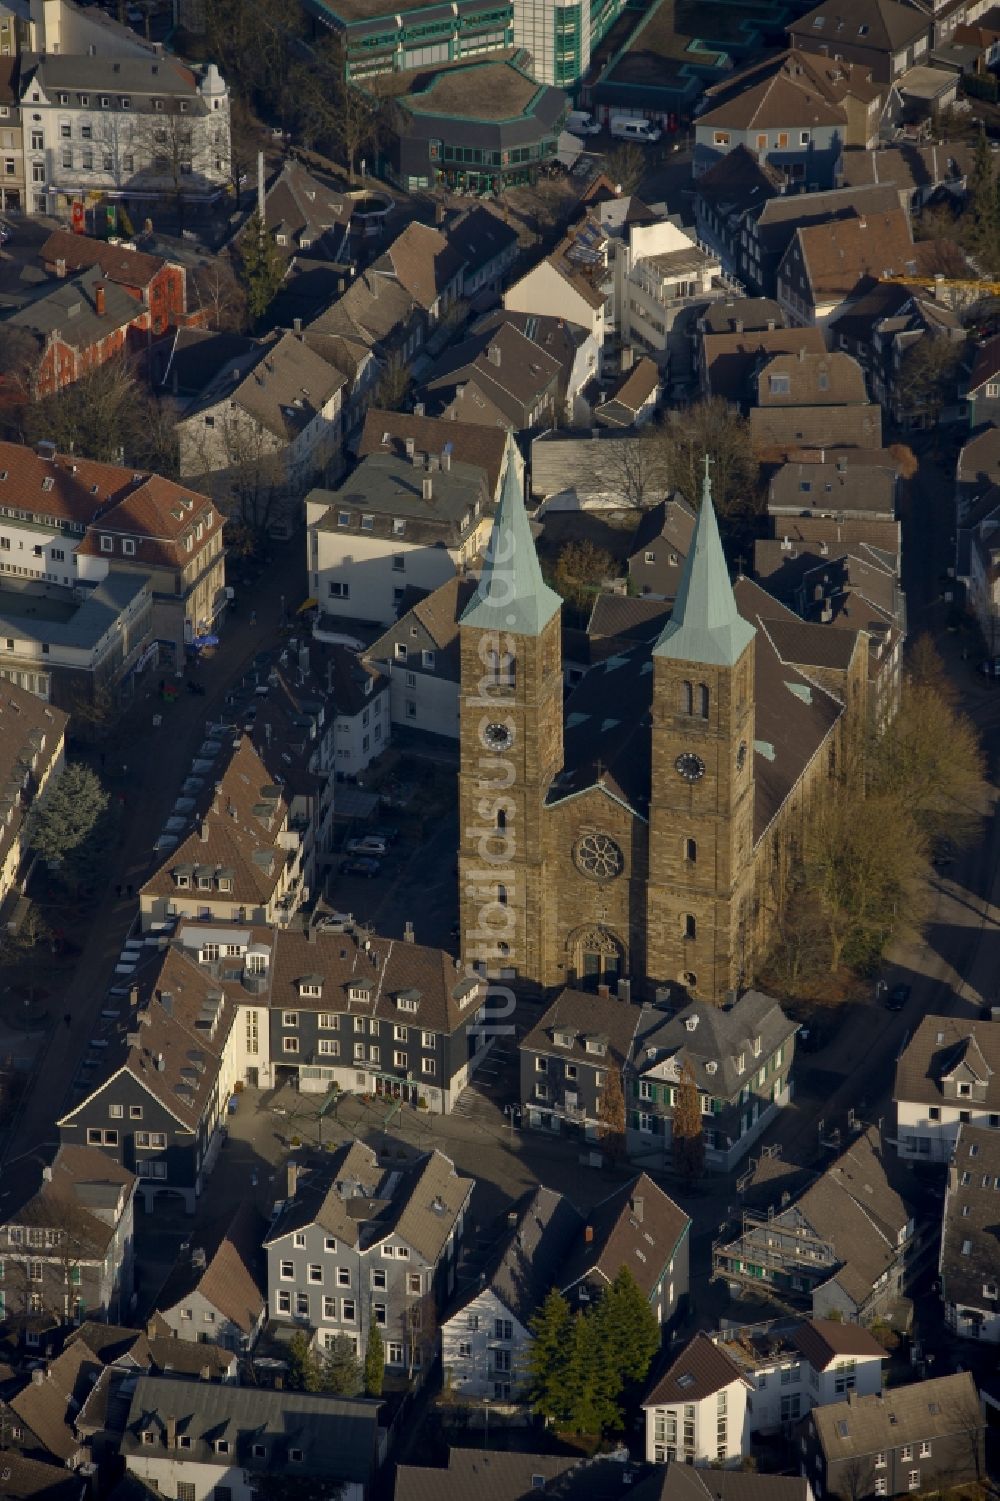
705	626
512	595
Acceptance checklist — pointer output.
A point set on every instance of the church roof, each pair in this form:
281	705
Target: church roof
705	627
512	595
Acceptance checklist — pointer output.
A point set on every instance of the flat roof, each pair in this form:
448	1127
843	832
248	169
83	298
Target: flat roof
22	604
486	88
350	11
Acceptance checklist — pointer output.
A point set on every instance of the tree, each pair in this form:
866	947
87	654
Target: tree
374	1373
865	869
928	377
578	571
106	415
340	1372
592	1384
393	384
360	121
19	355
684	437
625	165
688	1137
305	1374
929	760
216	287
629	1331
67	812
548	1360
637	467
611	1114
261	268
982	235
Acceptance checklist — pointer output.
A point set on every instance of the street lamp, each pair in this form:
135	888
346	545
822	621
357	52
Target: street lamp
512	1112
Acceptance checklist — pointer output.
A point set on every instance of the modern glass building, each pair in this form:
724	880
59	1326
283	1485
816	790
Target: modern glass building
561	35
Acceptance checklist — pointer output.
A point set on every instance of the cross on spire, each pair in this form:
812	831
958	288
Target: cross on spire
706	488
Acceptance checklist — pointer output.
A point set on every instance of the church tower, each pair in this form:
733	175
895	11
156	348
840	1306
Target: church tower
702	796
511	743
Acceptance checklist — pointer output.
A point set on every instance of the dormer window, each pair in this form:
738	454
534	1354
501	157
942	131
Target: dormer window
964	1091
343	518
756	1047
596	1045
741	1063
398	526
311	988
359	993
148	1436
222	1446
107	544
563	1039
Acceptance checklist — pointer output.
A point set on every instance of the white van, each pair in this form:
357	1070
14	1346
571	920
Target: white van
625	129
580	123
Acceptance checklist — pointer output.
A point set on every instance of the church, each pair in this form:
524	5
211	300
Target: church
638	829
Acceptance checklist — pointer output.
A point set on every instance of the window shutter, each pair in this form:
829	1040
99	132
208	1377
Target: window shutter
634	1119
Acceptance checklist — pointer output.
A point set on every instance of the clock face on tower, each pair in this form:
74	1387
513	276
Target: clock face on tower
498	736
690	767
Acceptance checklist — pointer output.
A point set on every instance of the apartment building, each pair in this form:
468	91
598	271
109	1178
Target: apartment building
947	1076
967	1265
32	745
354	1243
216	1292
11	136
697	1411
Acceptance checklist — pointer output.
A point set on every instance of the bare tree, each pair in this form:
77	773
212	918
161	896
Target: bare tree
420	1324
240	464
216	287
611	1114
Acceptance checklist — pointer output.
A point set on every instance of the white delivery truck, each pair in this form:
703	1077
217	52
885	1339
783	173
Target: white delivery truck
624	128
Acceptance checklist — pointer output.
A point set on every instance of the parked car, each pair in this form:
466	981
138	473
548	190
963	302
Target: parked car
368	844
624	128
386	832
333	922
579	122
362	865
898	997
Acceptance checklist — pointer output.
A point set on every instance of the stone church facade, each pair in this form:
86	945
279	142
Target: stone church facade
636	830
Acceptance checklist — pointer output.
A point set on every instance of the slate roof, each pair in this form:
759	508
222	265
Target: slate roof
497	1475
810	644
468	443
936	1045
233	1279
511	594
890	26
828	488
739	183
372	309
680	1482
836	255
519	373
70	308
79	1196
49	1406
527	1260
305	209
607	726
626	399
352	1197
423	261
282	385
902	1415
731	359
591	467
659	548
238	833
160	1354
335	1435
970	1230
909	165
720	1036
478	237
986	365
782	216
435	619
741	315
854	1207
584	1014
813	380
28	1480
390	488
700	1370
637	1226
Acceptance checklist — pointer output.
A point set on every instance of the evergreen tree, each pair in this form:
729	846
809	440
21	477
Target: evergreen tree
67	813
261	266
549	1358
374	1361
341	1373
592	1384
304	1371
688	1142
630	1334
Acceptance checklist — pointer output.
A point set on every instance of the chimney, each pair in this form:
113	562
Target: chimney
624	990
588	1235
738	326
293	1178
99	299
171	1426
297	325
311	933
418	409
37	1376
411	448
439	213
167	1002
428	488
133	995
204	832
802	353
60	268
46	1174
493	355
408	933
637	1207
446	461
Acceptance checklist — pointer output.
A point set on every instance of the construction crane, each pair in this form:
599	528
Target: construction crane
992	288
